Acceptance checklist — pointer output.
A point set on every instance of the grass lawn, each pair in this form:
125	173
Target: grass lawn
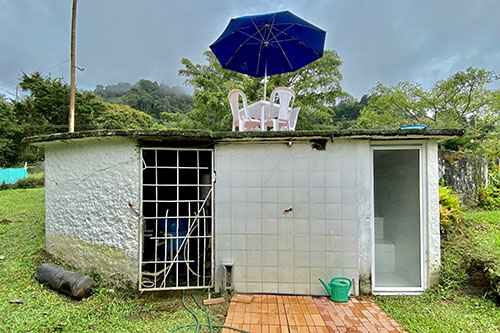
483	243
22	246
435	312
464	299
452	306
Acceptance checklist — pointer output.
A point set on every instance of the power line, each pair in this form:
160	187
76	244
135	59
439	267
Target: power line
48	69
45	70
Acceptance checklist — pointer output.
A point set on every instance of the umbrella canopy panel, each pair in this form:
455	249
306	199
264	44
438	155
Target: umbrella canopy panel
268	44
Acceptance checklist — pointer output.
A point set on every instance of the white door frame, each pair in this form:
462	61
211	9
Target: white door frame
421	147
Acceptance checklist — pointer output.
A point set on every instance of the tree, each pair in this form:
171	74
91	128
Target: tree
116	116
347	111
147	96
317	87
112	91
45	111
8	133
46	108
460	101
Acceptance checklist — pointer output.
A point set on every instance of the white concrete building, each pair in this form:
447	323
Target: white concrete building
259	212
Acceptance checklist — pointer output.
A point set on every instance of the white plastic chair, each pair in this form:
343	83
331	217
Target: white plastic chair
241	118
294	114
286	97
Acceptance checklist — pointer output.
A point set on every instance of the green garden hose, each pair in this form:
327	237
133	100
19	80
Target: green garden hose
198	324
192	313
203	309
206	325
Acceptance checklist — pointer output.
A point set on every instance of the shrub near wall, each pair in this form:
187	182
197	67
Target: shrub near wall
449	207
489	197
24	183
465	173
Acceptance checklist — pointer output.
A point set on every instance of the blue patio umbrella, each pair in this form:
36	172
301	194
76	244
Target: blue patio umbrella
268	44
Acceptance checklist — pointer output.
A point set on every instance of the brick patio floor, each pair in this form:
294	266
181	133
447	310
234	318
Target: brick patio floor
279	313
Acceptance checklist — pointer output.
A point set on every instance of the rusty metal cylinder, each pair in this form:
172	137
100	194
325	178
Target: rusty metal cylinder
70	283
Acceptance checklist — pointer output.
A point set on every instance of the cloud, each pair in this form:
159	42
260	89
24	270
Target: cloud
126	40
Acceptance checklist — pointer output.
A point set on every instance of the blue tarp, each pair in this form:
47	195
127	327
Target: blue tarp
12	175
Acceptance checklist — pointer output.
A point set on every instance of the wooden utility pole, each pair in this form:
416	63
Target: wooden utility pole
73	65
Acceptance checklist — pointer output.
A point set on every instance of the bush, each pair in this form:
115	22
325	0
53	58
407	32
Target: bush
450	207
489	197
24	183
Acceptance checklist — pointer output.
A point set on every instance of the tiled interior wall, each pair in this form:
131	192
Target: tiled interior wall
275	251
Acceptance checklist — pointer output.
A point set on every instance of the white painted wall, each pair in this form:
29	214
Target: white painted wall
432	229
274	251
89	185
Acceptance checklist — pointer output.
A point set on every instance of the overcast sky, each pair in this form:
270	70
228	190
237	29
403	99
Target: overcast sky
420	41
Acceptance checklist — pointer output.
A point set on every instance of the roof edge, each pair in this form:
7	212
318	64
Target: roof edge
199	135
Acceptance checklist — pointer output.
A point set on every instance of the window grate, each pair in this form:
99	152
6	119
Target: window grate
177	210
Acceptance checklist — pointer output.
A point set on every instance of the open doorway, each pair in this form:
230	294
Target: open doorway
397	203
177	213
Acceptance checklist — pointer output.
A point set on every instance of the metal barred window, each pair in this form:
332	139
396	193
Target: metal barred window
177	213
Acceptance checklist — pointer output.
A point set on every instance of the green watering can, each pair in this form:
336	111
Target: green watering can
338	290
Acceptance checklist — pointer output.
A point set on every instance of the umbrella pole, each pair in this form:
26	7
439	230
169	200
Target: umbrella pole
265	80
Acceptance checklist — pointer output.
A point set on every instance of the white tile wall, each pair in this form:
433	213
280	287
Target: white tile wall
254	258
302	288
270	274
271	288
334	243
333	195
278	252
301	242
238	242
270	258
254	287
285	258
270	242
254	242
254	194
254	226
318	258
334	227
302	259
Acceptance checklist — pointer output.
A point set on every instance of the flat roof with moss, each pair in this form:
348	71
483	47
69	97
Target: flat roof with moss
209	136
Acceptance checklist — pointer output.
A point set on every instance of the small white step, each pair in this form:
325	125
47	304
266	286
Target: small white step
384	256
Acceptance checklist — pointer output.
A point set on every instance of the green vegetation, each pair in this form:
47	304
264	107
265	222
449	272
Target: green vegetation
30	182
36	179
317	86
45	110
481	246
432	312
465	298
22	244
461	101
461	302
489	197
146	96
449	207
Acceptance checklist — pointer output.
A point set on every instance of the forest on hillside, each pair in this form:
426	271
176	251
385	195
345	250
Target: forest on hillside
147	96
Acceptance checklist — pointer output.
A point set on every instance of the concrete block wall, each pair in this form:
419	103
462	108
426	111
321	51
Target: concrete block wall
286	252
